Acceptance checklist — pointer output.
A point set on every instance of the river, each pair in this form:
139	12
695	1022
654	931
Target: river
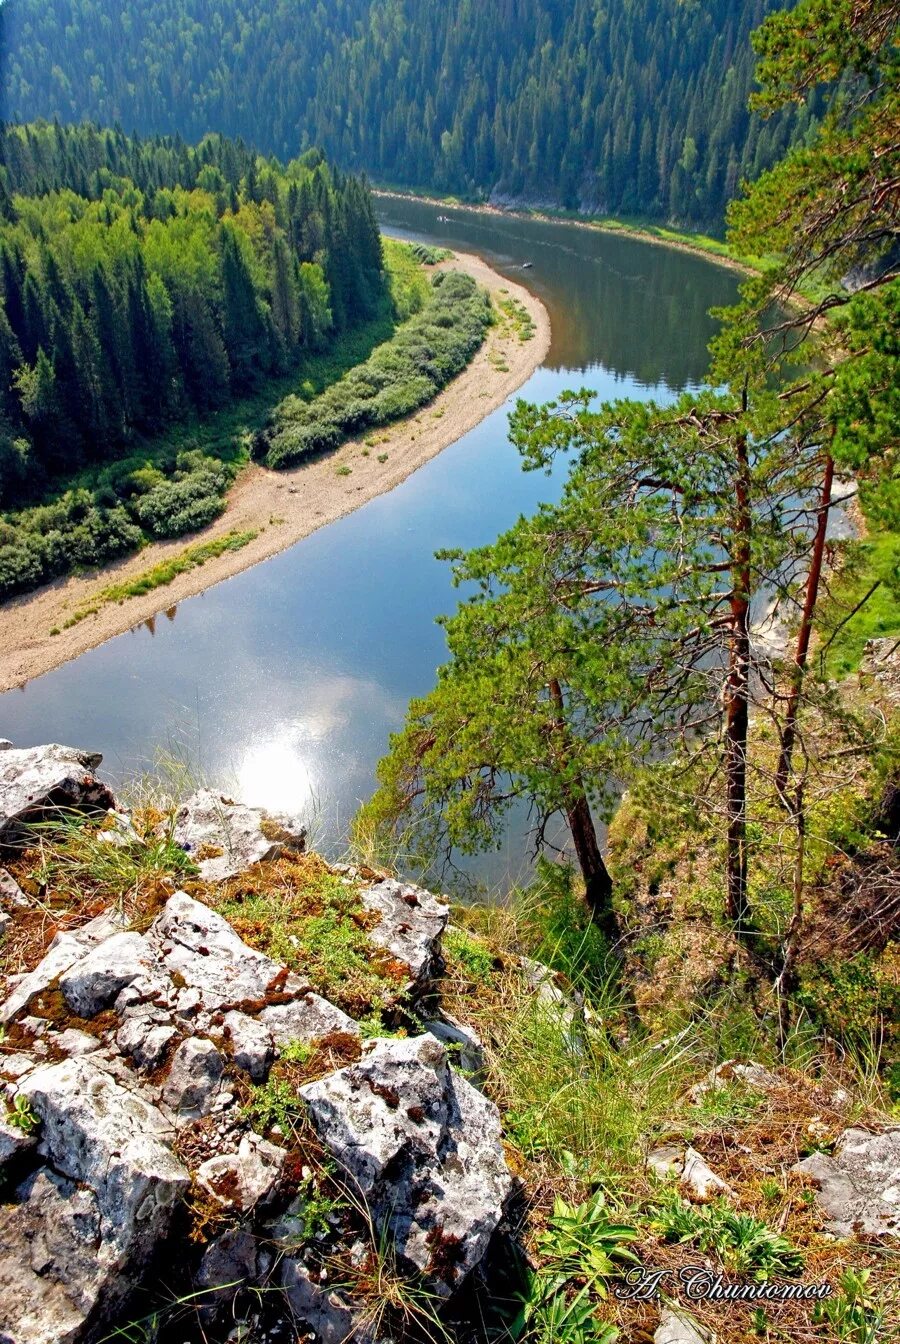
282	684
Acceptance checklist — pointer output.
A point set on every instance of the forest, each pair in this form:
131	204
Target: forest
637	109
144	281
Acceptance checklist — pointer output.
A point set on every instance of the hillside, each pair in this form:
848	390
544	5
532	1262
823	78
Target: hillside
628	109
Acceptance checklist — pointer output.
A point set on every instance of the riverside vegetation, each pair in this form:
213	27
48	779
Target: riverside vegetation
145	286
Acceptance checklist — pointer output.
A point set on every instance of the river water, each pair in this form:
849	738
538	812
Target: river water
282	684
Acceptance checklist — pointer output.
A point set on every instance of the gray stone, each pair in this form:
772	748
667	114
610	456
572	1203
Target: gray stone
144	1040
12	897
14	1142
306	1019
92	983
752	1075
859	1186
674	1159
328	1312
53	1265
423	1148
119	831
228	1264
63	952
202	948
410	926
231	836
194	1078
5	921
74	1042
245	1178
676	1327
47	783
563	1005
251	1043
469	1055
667	1160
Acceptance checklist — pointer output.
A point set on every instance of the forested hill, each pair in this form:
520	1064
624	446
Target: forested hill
638	107
141	280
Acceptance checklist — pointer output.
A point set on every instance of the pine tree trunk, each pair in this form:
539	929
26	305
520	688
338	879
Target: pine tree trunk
598	887
801	653
737	698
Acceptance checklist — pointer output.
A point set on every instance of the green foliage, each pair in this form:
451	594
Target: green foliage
475	957
274	1103
856	1001
744	1244
852	1313
21	1116
428	350
636	109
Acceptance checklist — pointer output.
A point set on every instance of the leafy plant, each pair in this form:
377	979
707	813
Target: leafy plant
743	1243
581	1241
852	1313
21	1116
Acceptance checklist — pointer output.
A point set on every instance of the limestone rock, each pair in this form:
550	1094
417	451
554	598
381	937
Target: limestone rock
51	1275
469	1049
423	1146
5	921
65	949
14	1142
410	928
225	838
144	1040
675	1327
328	1312
119	831
12	897
752	1075
228	1262
859	1186
92	983
203	950
194	1078
245	1178
306	1019
47	783
74	1042
673	1159
252	1044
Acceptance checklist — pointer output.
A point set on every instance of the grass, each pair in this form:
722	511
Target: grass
162	574
866	580
518	320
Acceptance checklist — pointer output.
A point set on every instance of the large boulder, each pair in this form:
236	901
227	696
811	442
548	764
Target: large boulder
422	1147
47	784
411	922
66	949
80	1232
225	838
859	1185
92	983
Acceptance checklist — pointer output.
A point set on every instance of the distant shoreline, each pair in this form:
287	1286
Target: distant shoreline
281	507
613	228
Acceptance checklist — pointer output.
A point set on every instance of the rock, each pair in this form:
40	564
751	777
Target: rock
12	897
306	1019
73	1042
194	1078
673	1159
251	1043
328	1312
410	928
423	1147
700	1178
755	1076
225	838
5	921
675	1327
470	1052
202	949
92	983
859	1186
14	1143
144	1040
47	783
228	1263
119	831
245	1178
65	949
99	1226
564	1007
51	1275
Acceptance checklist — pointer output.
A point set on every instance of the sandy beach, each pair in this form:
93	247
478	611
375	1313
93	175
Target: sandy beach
281	506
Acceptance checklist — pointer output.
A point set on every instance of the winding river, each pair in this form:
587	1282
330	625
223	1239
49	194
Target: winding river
282	684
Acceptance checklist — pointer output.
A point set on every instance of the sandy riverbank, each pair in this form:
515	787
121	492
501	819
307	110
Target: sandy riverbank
283	506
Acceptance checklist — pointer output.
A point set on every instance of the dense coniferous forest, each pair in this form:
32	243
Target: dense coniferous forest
143	280
637	108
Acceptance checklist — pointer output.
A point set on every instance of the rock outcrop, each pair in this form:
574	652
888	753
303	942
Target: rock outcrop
859	1184
422	1146
225	838
40	784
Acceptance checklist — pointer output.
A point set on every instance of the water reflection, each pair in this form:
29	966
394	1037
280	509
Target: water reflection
284	683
